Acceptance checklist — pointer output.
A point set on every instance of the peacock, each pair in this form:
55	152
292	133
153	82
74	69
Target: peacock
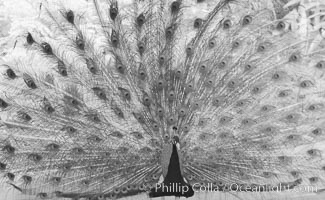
109	99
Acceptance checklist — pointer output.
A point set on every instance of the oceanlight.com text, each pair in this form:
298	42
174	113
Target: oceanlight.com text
210	187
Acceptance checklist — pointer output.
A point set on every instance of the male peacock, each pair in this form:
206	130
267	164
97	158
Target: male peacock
108	100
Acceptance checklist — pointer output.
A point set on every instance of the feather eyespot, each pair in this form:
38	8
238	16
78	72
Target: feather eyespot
171	120
62	69
11	74
42	195
169	32
29	82
70	16
141	19
30	39
99	92
313	152
261	48
9	149
212	43
141	47
247	20
312	107
284	93
294	173
248	67
114	38
125	93
280	26
77	150
137	135
118	112
52	147
294	57
232	84
235	44
69	129
3	104
256	89
146	100
222	64
47	48
161	59
203	68
305	84
24	116
113	11
209	83
48	108
56	179
320	64
178	73
182	112
292	137
139	117
292	118
198	23
186	128
313	179
120	68
85	182
226	24
189	50
27	179
35	157
80	42
317	131
175	6
10	176
276	76
266	108
3	166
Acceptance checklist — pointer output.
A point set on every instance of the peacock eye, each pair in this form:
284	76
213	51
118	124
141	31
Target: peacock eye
169	32
141	19
235	44
80	43
320	64
294	57
30	39
70	16
47	48
25	117
247	20
212	43
305	84
113	11
9	149
29	82
11	74
222	64
197	23
175	6
3	166
317	131
226	24
3	104
248	67
280	26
